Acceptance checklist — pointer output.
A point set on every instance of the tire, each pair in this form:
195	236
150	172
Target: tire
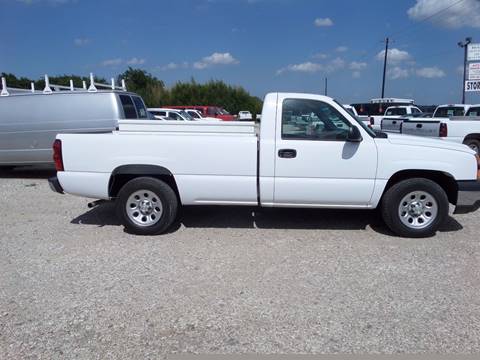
473	144
146	206
414	208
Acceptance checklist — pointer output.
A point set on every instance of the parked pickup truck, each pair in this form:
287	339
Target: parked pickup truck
460	129
392	112
309	153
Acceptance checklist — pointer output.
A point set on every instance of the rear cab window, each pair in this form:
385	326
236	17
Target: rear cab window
449	111
474	111
396	111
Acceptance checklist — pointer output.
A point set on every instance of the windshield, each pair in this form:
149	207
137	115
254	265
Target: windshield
223	111
186	115
448	111
360	122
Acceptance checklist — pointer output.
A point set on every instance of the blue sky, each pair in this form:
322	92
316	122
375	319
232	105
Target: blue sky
262	45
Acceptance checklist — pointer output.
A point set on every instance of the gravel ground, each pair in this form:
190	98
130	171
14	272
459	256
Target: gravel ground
227	280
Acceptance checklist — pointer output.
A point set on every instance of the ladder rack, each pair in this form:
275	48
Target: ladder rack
51	88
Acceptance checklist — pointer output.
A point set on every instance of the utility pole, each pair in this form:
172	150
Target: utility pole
464	45
385	66
326	86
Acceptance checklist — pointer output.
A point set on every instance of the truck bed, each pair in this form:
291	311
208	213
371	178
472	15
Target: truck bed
209	168
203	127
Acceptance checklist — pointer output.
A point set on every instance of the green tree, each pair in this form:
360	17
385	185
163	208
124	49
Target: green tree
214	92
151	89
155	94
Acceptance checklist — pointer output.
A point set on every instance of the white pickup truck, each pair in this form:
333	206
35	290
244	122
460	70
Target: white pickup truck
392	112
460	129
309	152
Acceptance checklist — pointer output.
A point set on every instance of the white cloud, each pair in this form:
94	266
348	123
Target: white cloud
120	61
311	67
430	72
394	55
341	49
335	64
51	2
215	59
320	56
136	61
81	41
112	62
457	14
323	22
355	65
308	66
173	66
356	74
398	73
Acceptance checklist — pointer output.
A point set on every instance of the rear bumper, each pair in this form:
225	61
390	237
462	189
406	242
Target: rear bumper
468	196
55	185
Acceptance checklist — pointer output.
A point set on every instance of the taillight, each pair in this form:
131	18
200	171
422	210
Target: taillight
57	155
478	166
443	130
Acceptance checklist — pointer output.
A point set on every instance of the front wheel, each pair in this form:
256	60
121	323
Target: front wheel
414	207
147	206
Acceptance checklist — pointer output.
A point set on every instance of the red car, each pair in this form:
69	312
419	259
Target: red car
207	111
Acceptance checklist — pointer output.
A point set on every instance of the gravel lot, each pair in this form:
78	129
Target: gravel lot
75	285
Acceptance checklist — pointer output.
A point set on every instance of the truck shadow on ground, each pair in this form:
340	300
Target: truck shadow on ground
28	172
261	218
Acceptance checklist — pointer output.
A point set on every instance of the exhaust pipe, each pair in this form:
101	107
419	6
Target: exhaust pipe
95	203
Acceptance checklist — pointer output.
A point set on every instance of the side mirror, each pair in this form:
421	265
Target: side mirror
354	135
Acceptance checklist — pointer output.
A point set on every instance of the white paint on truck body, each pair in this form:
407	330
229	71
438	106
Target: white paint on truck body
214	164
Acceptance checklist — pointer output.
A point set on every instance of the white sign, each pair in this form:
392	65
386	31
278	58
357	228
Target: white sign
472	85
473	52
474	71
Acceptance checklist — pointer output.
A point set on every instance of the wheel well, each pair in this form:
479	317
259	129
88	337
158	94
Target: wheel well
123	174
445	180
472	136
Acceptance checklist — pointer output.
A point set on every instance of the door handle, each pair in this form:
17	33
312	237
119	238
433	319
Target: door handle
419	126
287	153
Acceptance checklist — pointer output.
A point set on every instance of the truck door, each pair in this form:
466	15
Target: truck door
315	164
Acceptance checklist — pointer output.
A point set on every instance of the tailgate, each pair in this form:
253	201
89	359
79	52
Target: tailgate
391	125
421	128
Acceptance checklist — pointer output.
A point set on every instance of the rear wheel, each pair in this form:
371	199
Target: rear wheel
414	207
147	206
473	144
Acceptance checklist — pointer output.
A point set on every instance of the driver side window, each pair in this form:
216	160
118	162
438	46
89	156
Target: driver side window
304	119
